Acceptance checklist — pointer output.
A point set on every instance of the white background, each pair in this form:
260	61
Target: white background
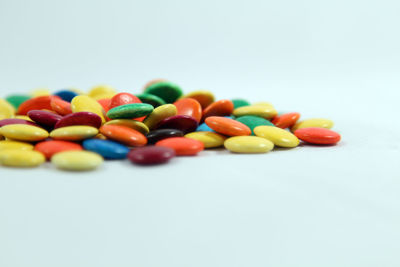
310	206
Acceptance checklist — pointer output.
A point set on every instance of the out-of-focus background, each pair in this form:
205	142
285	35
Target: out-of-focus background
311	206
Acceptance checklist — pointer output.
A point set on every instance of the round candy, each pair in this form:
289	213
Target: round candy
105	103
16	121
189	107
44	118
313	123
106	148
14	145
151	155
154	81
238	103
80	118
21	158
248	144
227	126
102	91
125	135
264	111
286	120
209	139
204	128
278	136
77	160
85	103
153	100
183	146
123	99
160	113
22	132
183	123
167	91
219	108
253	121
60	106
129	111
17	100
205	98
160	134
38	103
6	110
135	125
318	136
49	148
74	133
66	95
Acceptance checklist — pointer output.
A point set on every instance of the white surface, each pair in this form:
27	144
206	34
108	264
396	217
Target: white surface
310	206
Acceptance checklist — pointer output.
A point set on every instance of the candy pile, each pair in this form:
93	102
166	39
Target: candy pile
77	131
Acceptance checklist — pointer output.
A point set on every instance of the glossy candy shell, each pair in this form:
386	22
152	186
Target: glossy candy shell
80	118
167	91
183	146
17	100
84	103
136	125
278	136
106	148
16	121
151	155
60	106
153	100
319	136
248	144
49	148
264	111
160	113
44	118
124	135
253	122
74	133
220	108
286	120
22	132
14	145
66	95
130	111
77	160
189	107
36	103
313	123
21	158
205	98
209	139
227	126
183	123
123	99
160	134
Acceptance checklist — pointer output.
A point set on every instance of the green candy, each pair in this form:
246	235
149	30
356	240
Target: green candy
130	111
153	100
169	92
237	103
17	100
254	121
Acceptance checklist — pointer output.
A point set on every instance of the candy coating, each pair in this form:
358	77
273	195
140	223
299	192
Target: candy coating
74	133
167	91
128	111
313	123
77	160
278	136
14	145
160	113
209	139
85	103
106	148
22	132
21	158
125	135
227	126
51	147
248	144
318	136
183	146
151	155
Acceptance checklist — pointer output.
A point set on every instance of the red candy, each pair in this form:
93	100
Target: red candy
125	135
183	123
80	118
16	121
286	120
38	103
189	107
151	155
220	108
319	136
60	106
44	118
123	99
183	146
49	148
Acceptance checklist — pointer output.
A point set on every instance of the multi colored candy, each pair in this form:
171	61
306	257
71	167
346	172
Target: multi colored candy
77	131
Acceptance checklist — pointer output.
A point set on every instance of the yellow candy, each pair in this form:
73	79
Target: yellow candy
102	90
276	135
86	103
6	110
136	125
22	132
209	139
101	136
204	97
41	92
248	144
262	104
15	145
77	160
74	133
21	158
23	117
319	123
265	111
104	96
160	113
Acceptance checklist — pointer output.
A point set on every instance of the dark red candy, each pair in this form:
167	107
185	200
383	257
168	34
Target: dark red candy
80	118
151	155
44	118
160	134
184	123
16	121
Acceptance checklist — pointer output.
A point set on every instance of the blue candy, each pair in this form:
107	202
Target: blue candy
66	95
108	149
204	128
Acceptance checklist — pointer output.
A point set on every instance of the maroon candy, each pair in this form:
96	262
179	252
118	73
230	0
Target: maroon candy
80	118
151	155
184	123
44	118
16	121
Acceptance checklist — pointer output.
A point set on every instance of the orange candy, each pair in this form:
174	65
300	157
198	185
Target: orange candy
318	136
190	107
60	106
183	146
219	108
105	103
227	126
128	136
36	103
286	120
49	148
